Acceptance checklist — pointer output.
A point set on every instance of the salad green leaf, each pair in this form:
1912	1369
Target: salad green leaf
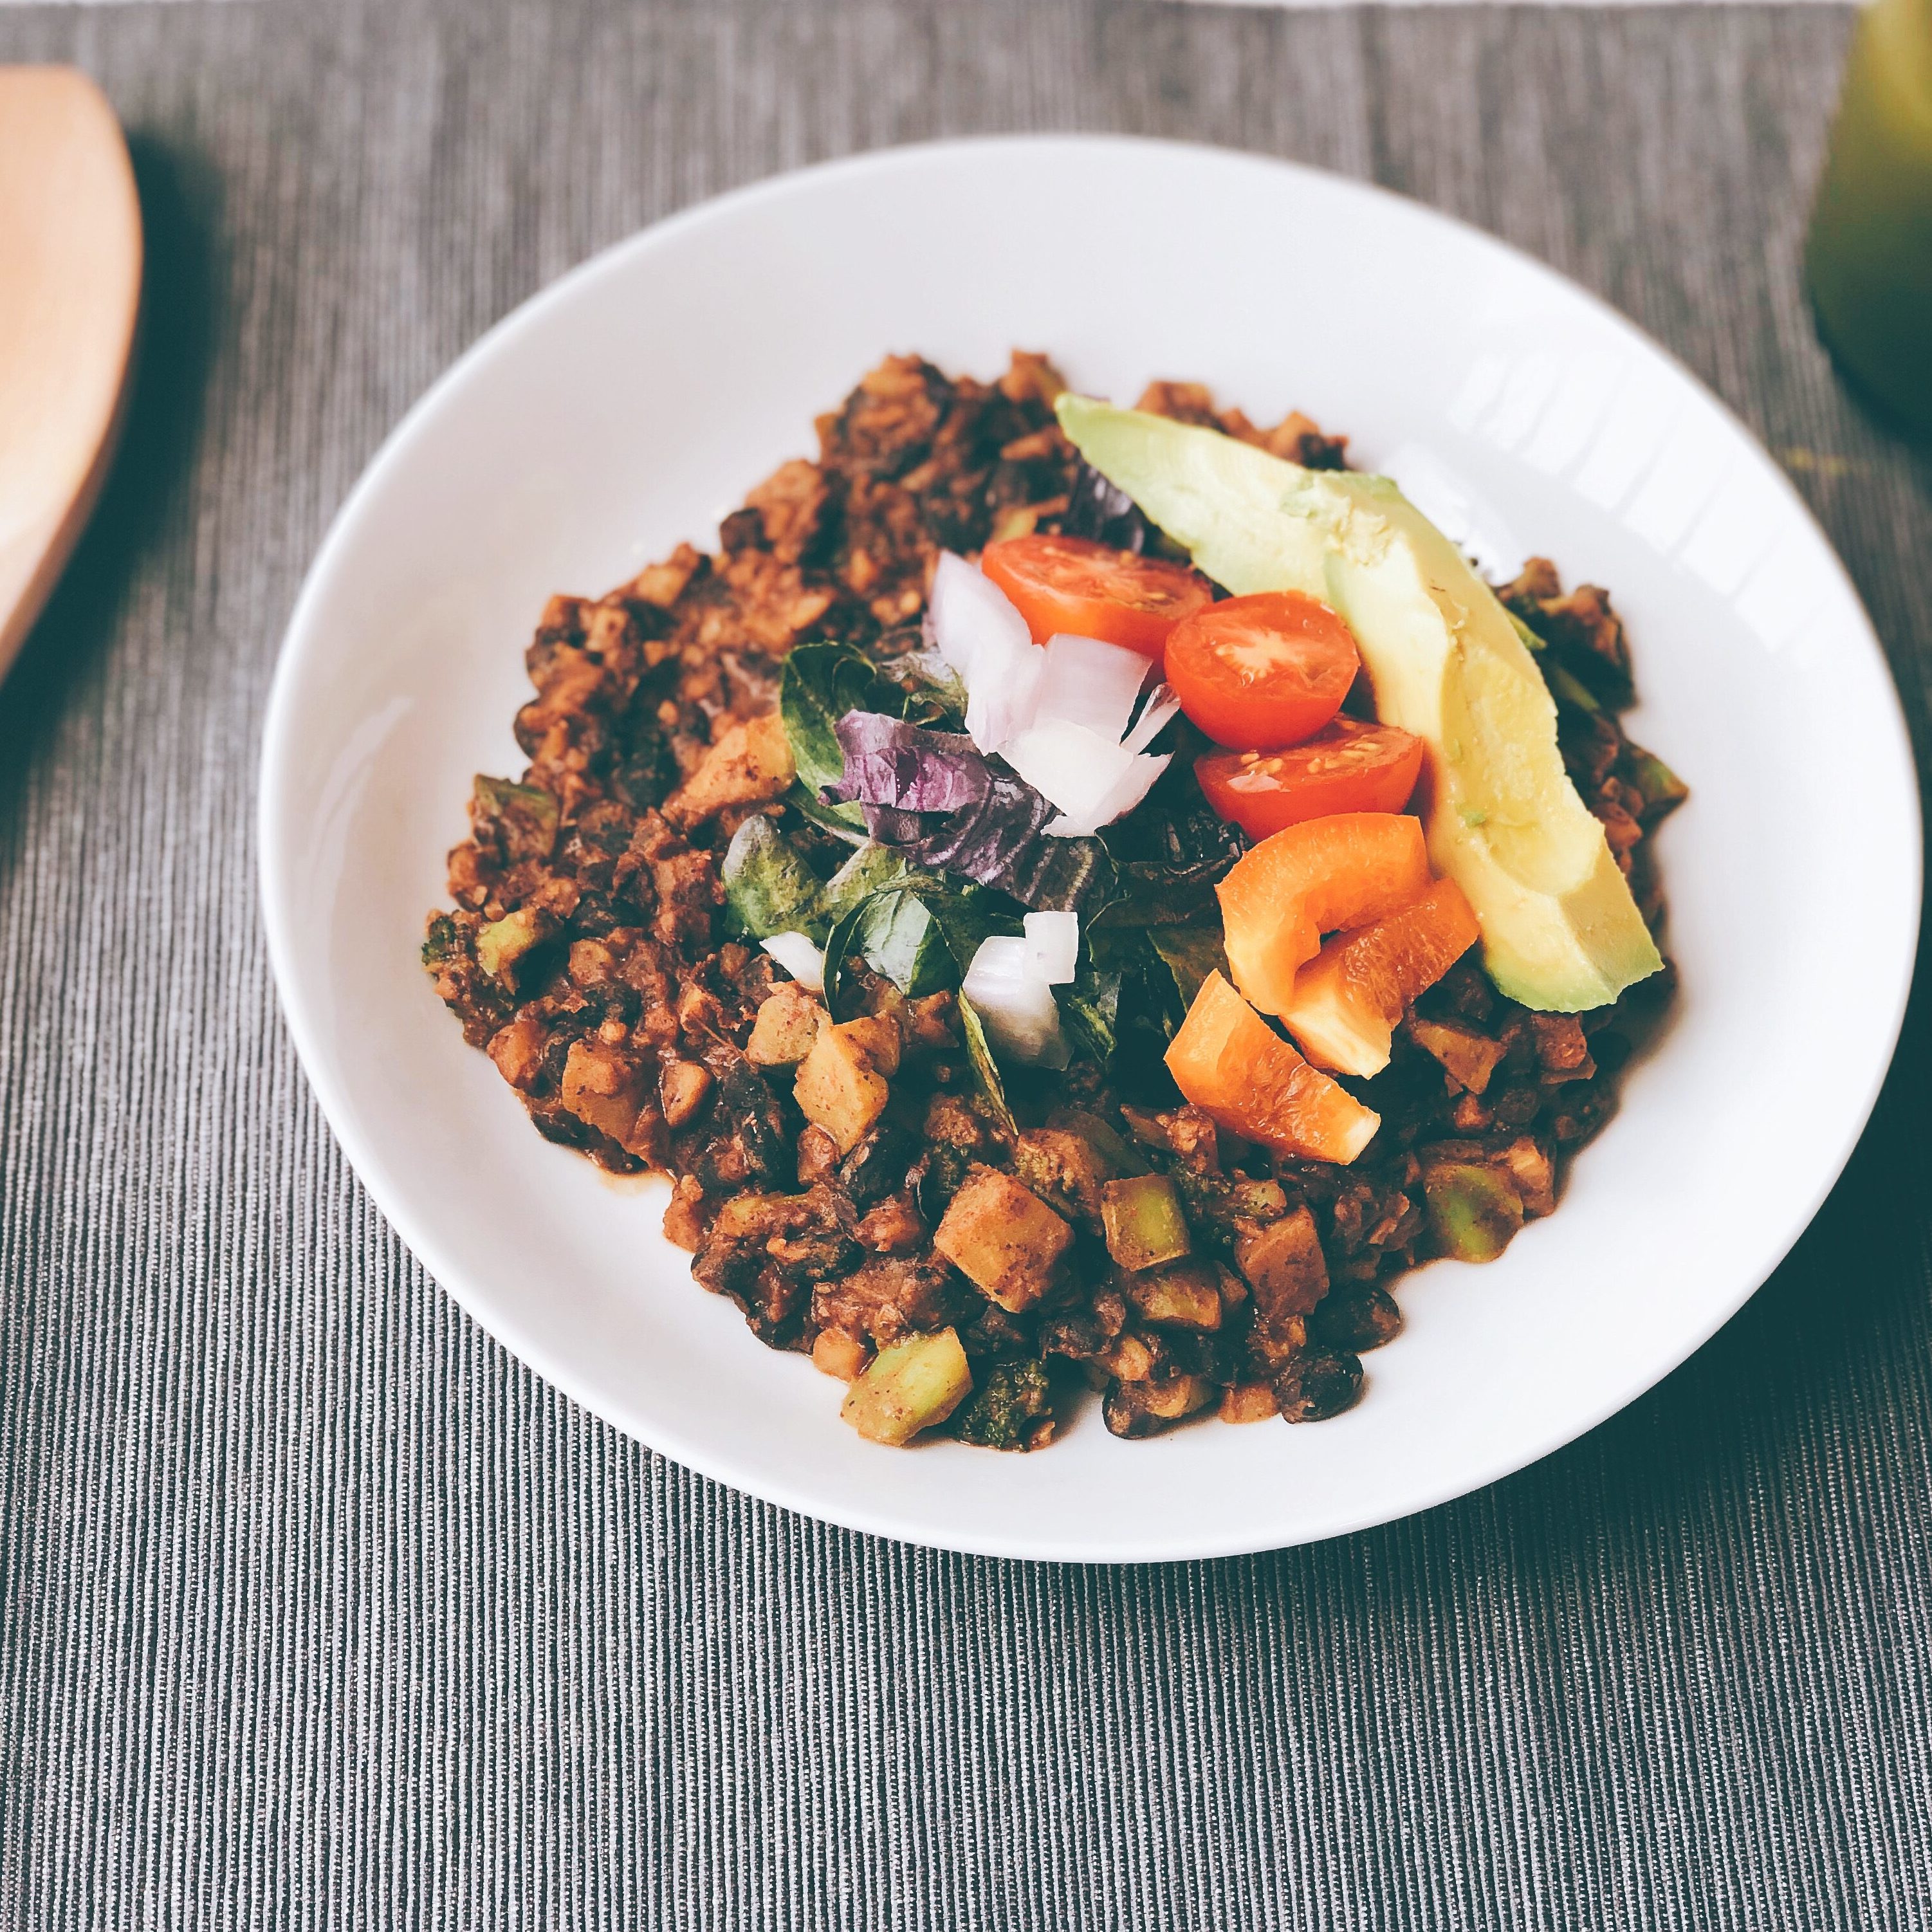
768	886
894	932
820	683
919	931
1167	853
1190	953
980	1051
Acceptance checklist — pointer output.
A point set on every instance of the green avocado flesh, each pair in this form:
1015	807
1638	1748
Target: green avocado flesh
1561	932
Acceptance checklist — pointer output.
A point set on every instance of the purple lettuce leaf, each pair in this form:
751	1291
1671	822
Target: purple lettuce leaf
935	797
906	768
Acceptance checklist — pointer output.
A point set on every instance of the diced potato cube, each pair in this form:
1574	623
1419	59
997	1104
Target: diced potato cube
1283	1263
517	1050
1468	1057
604	1087
1116	1155
786	1025
504	943
1003	1238
1249	1401
683	1086
878	1037
839	1086
1187	1295
1128	1358
749	762
1144	1223
1534	1173
909	1387
836	1353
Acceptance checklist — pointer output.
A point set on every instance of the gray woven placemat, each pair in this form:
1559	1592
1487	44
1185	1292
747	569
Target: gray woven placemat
316	1609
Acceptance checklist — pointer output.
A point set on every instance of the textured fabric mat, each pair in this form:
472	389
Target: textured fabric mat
316	1609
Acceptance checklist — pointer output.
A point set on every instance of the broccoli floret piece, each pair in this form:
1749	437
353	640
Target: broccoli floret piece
1013	1410
444	943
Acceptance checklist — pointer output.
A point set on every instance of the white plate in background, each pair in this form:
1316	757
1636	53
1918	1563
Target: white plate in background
631	403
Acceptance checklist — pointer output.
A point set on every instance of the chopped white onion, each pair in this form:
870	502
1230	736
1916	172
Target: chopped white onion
1053	944
1127	790
1011	993
977	631
1161	705
1092	780
799	957
1072	767
1087	683
1056	715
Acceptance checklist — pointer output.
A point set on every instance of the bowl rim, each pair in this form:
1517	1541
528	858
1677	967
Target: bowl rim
389	1192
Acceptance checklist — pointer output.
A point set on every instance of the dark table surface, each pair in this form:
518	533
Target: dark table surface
317	1608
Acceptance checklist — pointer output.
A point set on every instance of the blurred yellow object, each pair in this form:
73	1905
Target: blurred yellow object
70	270
1869	258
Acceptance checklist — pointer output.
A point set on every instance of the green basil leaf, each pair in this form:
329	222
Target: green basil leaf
1190	953
820	684
895	933
1090	1006
768	886
872	868
830	818
965	915
980	1051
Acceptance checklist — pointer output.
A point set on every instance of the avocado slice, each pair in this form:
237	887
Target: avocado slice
1561	932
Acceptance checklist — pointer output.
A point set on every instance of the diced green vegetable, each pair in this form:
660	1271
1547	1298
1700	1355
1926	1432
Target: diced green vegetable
910	1386
1009	1409
1663	790
442	942
505	943
525	816
1473	1210
1144	1222
1063	1169
1186	1295
1120	1154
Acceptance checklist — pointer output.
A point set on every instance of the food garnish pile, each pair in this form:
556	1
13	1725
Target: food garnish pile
1075	897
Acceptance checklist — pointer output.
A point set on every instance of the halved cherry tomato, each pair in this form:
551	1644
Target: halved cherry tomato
1074	584
1258	673
1347	766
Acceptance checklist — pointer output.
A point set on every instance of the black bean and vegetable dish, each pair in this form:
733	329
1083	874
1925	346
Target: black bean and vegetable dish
1074	897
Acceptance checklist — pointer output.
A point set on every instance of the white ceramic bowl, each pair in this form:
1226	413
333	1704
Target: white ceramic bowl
633	403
